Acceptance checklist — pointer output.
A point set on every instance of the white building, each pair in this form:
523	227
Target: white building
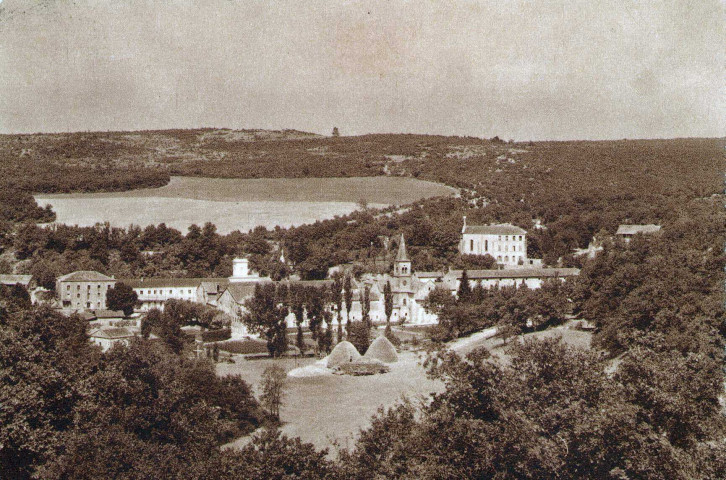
153	292
517	277
505	242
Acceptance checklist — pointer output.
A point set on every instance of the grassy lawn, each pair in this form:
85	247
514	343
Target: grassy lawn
327	409
331	408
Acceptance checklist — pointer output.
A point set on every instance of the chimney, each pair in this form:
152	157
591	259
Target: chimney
463	229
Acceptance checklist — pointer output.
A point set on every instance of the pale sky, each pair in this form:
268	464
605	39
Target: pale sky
518	69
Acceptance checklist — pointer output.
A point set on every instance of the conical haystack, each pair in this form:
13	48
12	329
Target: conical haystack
344	352
382	349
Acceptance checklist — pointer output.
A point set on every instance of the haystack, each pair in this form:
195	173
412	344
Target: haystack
382	349
344	352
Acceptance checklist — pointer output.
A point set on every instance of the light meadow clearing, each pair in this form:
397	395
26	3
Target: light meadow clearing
330	409
238	204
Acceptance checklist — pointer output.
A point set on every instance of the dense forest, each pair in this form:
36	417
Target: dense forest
644	402
574	189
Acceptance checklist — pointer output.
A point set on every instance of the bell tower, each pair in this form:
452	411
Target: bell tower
402	265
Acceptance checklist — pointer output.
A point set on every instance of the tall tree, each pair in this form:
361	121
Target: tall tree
336	293
273	390
464	293
366	305
388	303
265	314
297	305
122	297
348	294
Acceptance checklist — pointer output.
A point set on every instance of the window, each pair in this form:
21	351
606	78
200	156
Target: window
190	291
506	259
499	238
499	258
88	304
68	287
486	245
171	292
520	238
471	245
154	292
78	287
78	295
506	238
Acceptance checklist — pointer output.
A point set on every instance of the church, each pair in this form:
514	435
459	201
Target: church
410	289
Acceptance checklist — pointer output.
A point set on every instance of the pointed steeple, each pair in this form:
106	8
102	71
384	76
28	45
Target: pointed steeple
402	256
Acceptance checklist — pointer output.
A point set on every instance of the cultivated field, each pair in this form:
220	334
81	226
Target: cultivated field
238	204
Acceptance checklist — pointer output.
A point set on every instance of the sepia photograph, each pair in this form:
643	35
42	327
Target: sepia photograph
342	240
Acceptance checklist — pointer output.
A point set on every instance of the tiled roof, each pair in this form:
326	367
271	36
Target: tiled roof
517	273
15	279
112	333
634	229
429	274
241	291
171	282
109	313
499	229
85	276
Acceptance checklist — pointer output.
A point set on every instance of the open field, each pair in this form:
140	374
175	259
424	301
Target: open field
238	204
333	408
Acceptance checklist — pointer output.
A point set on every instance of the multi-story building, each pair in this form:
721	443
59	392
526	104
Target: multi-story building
153	292
83	290
506	243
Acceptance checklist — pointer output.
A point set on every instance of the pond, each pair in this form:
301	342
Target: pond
238	204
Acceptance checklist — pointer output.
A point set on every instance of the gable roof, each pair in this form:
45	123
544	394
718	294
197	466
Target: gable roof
517	273
23	280
112	333
634	229
498	229
172	282
85	276
241	291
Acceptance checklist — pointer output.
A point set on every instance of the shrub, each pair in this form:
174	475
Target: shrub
216	335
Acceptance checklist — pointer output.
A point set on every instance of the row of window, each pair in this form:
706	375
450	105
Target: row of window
514	238
78	287
161	292
499	247
506	259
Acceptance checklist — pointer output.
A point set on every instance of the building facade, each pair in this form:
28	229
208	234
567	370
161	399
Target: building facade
83	290
506	243
531	277
153	292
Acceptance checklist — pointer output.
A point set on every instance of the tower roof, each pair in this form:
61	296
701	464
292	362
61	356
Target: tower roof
402	256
